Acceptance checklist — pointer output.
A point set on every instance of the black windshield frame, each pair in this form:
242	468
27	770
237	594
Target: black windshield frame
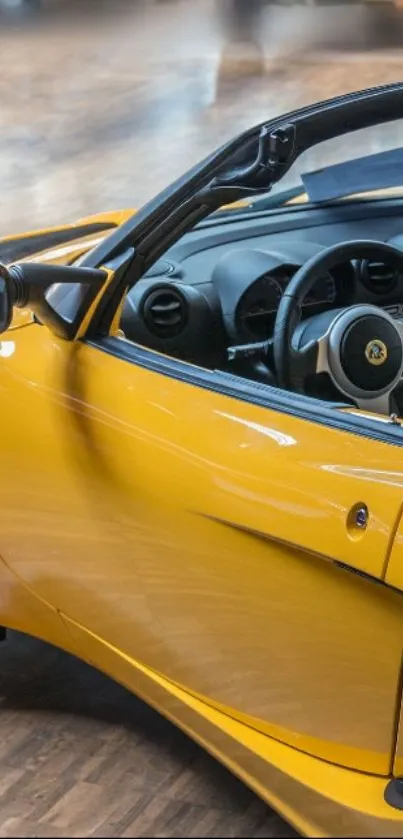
155	228
313	124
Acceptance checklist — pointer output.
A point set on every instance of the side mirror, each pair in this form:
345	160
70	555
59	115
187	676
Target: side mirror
6	302
24	285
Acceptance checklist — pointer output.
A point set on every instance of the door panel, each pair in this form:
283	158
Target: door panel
398	760
394	571
196	533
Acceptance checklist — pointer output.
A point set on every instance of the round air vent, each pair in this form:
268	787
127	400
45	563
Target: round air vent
378	277
165	312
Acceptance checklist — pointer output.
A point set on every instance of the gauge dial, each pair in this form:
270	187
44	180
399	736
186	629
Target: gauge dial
257	308
324	291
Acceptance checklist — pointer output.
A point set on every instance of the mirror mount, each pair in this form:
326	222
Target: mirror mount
24	285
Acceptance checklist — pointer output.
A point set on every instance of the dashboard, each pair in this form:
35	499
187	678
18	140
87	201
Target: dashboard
222	284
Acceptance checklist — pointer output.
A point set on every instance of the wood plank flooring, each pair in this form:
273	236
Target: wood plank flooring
81	756
103	111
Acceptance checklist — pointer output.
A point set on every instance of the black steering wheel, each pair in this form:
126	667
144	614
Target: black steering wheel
360	347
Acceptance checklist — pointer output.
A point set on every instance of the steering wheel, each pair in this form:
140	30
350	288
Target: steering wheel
360	347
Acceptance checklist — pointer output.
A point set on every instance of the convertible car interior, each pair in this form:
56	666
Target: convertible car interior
217	300
297	287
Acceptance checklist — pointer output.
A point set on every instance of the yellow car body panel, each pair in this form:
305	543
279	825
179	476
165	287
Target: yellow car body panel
112	218
315	796
202	551
318	798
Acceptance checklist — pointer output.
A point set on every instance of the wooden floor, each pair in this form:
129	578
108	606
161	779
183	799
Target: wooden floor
80	756
102	111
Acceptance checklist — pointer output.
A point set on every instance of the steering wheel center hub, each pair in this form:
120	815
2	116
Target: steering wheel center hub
365	352
371	352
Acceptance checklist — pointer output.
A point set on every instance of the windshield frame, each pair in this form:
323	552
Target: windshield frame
246	166
196	189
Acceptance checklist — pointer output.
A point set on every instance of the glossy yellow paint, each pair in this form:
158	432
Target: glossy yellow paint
75	247
114	217
318	798
68	252
394	571
22	610
199	549
398	761
315	796
116	472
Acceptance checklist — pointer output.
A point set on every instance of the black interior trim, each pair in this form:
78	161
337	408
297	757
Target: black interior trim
256	393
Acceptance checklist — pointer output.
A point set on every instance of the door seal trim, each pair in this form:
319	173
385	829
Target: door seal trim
302	407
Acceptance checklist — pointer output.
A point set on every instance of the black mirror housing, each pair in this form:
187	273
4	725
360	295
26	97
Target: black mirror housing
6	301
24	285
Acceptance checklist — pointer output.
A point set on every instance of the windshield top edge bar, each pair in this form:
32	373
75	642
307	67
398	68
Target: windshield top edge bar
313	124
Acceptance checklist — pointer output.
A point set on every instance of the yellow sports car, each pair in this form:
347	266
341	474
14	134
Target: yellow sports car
202	467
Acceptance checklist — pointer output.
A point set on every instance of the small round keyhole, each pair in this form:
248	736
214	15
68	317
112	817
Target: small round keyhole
357	520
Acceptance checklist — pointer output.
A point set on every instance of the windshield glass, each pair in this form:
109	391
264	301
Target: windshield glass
359	164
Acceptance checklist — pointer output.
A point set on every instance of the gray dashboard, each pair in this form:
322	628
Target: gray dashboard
194	302
199	251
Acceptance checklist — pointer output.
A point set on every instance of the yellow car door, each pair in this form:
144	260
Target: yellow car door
221	535
206	537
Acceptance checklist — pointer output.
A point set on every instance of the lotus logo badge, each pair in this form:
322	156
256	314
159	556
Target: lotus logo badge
376	352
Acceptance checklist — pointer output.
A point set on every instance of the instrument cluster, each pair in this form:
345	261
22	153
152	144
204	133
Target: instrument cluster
256	312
